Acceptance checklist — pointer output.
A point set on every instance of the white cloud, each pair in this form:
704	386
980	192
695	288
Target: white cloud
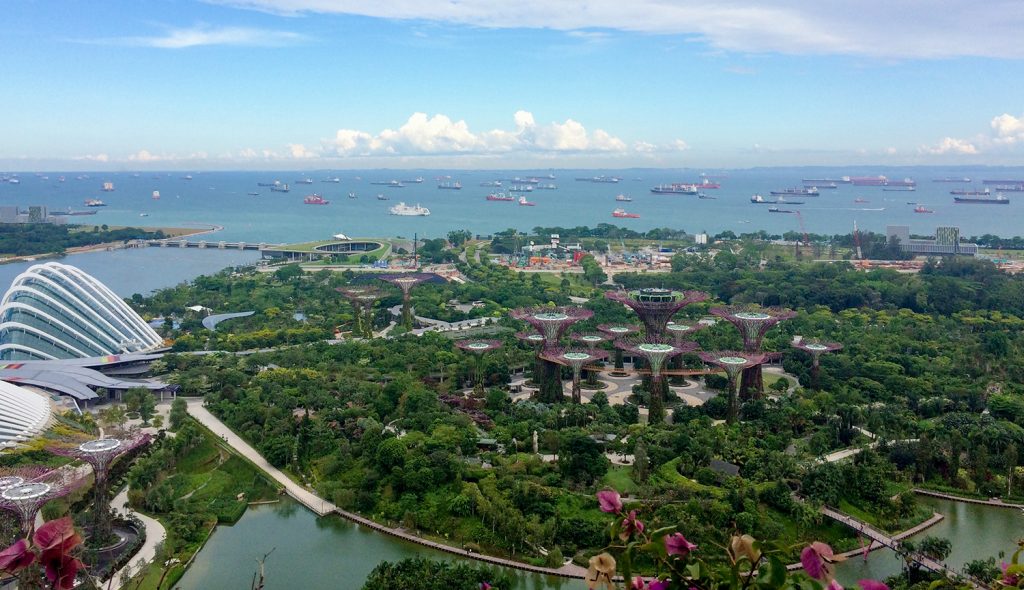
881	28
299	151
439	134
951	145
93	158
678	145
202	35
890	151
1008	129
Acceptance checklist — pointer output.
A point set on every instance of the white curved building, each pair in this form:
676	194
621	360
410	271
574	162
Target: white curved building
23	414
56	311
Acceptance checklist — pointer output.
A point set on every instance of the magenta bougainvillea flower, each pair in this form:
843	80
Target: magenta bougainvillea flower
871	585
610	501
817	559
16	557
631	525
676	544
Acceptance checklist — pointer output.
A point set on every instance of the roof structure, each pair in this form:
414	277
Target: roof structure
70	379
56	311
23	414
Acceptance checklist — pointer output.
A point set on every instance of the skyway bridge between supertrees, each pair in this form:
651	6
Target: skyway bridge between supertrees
752	324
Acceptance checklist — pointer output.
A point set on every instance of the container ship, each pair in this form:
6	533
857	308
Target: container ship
417	180
623	198
622	214
1010	188
674	189
996	200
280	188
454	186
304	181
1002	181
315	199
904	182
521	188
819	185
759	200
774	209
900	189
970	192
809	191
869	181
390	183
840	180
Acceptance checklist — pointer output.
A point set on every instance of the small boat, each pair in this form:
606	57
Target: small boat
861	200
388	183
352	196
622	214
705	196
334	180
524	203
315	199
254	194
623	198
143	214
408	210
156	195
417	180
757	198
94	203
187	177
921	209
304	181
774	209
500	197
381	197
108	187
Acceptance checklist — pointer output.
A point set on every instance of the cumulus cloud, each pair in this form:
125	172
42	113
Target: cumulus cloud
202	35
439	134
882	28
951	145
1008	129
93	158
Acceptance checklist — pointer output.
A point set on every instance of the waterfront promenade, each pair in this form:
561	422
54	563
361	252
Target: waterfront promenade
322	507
991	502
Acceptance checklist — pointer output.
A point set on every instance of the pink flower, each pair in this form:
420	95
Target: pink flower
676	544
61	571
631	526
638	583
16	557
610	501
56	538
659	585
817	559
871	585
1008	579
485	586
834	585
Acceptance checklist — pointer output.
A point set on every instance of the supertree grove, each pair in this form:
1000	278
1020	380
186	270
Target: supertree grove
574	359
657	353
406	282
362	300
816	349
478	348
614	332
655	307
550	323
100	453
733	363
25	492
753	324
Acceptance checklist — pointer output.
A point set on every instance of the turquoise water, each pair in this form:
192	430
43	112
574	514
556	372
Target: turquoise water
310	552
976	531
221	198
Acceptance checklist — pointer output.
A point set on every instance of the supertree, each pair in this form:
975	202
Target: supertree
575	359
405	282
816	349
656	352
24	492
733	363
591	342
551	323
478	348
614	332
753	324
100	453
680	332
655	307
362	299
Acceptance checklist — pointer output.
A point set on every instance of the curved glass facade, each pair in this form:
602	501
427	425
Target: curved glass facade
22	414
56	311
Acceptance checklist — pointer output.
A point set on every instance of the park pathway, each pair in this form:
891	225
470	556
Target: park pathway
322	507
992	502
155	534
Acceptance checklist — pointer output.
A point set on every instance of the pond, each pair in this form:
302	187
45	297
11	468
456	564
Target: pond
311	553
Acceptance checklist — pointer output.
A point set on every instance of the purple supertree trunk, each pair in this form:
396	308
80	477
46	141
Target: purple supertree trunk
655	307
753	324
733	363
406	282
816	349
478	348
575	359
551	323
657	353
362	300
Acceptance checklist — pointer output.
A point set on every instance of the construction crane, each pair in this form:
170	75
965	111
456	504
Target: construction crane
856	240
800	218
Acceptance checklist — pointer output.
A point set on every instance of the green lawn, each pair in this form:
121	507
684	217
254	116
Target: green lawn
620	479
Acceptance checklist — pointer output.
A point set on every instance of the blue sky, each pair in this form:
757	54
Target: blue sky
490	83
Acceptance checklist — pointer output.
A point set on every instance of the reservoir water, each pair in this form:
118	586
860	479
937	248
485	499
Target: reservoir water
311	552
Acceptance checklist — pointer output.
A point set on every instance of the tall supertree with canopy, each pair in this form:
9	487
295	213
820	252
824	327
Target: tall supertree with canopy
679	333
406	282
615	332
575	359
733	363
655	307
550	323
24	492
362	299
816	349
657	353
100	453
478	348
753	324
591	342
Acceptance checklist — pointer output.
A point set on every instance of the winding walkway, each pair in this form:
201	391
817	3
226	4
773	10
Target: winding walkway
155	534
322	507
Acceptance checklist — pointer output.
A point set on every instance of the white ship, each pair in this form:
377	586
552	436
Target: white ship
403	209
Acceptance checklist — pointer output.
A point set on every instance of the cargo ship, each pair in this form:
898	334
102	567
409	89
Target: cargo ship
304	181
904	182
774	209
952	179
454	186
622	214
275	183
389	183
759	200
601	179
971	192
409	210
869	181
1002	181
675	189
417	180
821	185
500	197
1010	188
334	180
490	183
922	209
521	188
706	183
998	199
280	188
315	199
381	197
807	191
156	195
900	189
840	180
623	198
71	212
524	203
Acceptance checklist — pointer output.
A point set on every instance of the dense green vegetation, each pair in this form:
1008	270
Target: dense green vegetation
28	239
390	428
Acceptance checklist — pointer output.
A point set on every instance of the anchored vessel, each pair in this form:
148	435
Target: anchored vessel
675	189
998	199
315	199
621	213
408	210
